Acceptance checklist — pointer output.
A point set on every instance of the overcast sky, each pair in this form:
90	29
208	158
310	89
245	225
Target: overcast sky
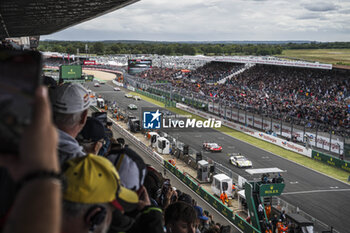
209	20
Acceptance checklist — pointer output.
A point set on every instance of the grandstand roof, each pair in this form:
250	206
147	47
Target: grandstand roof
33	18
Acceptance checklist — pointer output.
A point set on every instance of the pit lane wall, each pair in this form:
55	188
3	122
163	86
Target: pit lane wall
330	160
216	203
252	132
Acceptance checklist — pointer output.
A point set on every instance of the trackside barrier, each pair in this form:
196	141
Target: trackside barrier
228	213
242	224
118	83
167	102
330	160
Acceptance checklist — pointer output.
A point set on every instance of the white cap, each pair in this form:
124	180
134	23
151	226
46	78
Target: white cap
70	98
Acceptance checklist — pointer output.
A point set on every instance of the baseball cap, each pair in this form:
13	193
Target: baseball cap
70	98
93	179
92	132
130	166
199	212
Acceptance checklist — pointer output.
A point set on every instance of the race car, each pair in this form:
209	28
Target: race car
116	89
212	146
136	97
132	107
239	160
128	95
96	84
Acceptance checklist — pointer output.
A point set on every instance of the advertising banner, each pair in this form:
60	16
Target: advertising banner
267	190
331	143
244	225
331	161
89	62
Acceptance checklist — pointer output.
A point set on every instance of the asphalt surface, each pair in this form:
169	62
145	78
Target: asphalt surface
175	182
324	198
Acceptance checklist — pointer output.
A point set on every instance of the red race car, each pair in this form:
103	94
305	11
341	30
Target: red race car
212	146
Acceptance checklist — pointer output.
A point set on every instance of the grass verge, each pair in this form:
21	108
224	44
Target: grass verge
333	56
295	157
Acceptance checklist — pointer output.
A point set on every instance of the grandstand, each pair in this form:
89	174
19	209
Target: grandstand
315	99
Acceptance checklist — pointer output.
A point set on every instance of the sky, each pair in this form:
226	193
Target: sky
218	20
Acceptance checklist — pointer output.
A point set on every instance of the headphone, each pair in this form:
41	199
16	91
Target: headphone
97	218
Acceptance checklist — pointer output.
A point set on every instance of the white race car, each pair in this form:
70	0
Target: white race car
132	107
212	146
239	160
128	95
136	97
96	84
116	89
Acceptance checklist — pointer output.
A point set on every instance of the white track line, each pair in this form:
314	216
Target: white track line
316	191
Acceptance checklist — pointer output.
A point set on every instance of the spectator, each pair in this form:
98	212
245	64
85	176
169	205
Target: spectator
70	102
180	217
185	198
202	219
132	171
36	169
130	166
91	137
90	195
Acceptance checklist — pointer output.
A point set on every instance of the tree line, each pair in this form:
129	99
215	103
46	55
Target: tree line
163	48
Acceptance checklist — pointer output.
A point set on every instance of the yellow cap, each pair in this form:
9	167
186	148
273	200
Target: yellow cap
93	179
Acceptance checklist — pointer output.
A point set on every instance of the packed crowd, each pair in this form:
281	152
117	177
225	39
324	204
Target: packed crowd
210	72
311	97
107	187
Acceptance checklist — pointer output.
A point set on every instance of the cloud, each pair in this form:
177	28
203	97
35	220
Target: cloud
320	6
311	16
205	20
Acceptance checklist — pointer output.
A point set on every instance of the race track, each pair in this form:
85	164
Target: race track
322	197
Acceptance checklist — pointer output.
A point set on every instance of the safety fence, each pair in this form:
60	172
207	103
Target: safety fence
330	160
167	102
